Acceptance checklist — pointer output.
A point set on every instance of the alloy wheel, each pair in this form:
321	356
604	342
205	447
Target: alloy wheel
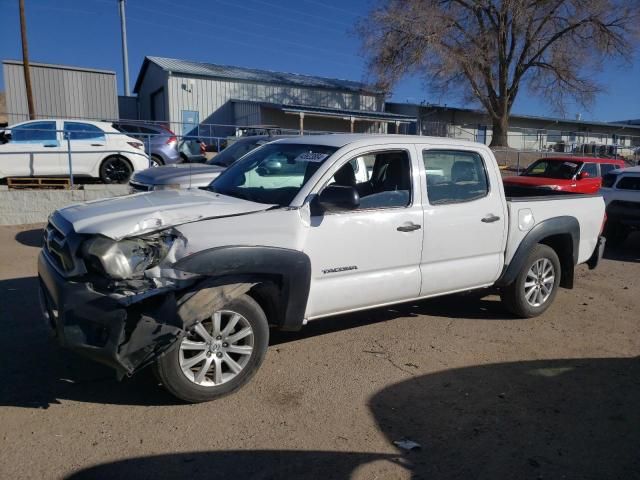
539	282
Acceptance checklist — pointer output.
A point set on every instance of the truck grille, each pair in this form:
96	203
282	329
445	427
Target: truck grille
56	245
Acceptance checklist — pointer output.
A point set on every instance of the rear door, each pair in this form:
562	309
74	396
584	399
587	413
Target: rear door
464	220
89	146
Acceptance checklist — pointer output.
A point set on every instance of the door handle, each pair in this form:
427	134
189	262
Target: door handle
97	145
408	227
50	146
490	218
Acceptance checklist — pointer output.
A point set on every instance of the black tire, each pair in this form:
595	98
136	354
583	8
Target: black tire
169	371
514	296
115	170
157	159
615	233
184	158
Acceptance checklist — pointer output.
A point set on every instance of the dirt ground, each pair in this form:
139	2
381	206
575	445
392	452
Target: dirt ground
485	395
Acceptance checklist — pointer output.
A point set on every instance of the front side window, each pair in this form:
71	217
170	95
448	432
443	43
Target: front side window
559	169
36	132
591	169
387	184
454	176
83	131
273	173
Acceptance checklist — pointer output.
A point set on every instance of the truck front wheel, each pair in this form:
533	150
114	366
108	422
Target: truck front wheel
218	355
535	287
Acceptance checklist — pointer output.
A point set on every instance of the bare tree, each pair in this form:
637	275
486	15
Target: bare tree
487	50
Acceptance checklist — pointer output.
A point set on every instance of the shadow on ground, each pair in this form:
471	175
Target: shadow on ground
31	238
629	251
571	419
49	374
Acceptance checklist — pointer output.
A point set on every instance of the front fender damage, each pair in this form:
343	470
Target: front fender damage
153	326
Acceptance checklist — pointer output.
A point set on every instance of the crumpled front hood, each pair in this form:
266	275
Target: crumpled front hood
178	173
147	212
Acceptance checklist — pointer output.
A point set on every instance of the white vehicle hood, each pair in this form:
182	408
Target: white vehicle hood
147	212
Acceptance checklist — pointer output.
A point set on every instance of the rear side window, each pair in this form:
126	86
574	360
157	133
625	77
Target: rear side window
607	167
609	179
454	176
629	183
83	131
35	132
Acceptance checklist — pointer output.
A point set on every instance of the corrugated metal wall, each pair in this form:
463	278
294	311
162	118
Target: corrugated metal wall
59	91
211	97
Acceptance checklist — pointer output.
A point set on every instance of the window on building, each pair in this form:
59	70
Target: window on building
454	176
554	136
83	131
36	132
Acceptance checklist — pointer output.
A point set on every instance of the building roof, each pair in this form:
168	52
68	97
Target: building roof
515	116
313	110
212	70
60	67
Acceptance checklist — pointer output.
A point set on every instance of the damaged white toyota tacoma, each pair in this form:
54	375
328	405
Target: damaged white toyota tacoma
300	229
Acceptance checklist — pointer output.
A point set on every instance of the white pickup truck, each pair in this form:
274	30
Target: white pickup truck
192	280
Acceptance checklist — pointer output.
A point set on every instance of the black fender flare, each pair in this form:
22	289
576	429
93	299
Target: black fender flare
291	268
553	226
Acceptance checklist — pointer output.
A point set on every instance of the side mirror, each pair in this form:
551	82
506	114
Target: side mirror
338	197
583	175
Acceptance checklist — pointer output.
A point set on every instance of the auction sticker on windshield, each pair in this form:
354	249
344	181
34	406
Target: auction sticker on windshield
311	157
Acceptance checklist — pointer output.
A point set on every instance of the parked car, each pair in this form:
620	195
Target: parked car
188	175
39	148
191	280
568	174
621	191
163	142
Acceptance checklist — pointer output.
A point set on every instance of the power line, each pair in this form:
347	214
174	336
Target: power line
307	14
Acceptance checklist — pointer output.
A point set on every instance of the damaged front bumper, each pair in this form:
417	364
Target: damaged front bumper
123	334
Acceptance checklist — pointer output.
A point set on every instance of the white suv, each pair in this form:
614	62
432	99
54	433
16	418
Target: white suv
621	192
40	148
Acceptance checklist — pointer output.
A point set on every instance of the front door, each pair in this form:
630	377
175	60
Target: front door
371	255
34	150
464	221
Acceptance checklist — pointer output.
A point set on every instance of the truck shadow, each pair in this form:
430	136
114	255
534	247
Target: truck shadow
629	251
542	419
31	238
50	374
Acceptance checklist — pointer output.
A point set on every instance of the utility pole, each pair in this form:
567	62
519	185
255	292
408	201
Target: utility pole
25	62
125	54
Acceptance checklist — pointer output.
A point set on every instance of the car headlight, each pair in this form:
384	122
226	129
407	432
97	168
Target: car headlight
126	259
168	186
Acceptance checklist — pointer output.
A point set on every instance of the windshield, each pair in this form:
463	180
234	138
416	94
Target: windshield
564	170
232	153
273	173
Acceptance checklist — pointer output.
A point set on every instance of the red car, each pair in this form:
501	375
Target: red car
569	174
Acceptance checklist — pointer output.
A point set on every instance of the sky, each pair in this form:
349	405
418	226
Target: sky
314	37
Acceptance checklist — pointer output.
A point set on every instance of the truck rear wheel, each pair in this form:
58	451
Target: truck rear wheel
218	355
536	286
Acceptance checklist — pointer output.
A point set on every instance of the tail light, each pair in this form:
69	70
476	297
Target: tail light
138	145
203	148
171	140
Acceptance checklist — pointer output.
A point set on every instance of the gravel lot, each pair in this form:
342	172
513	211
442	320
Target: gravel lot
485	395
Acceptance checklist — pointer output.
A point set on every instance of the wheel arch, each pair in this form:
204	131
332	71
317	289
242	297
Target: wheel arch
281	277
562	234
114	155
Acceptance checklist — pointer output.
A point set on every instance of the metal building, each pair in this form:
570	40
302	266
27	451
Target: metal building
60	91
187	94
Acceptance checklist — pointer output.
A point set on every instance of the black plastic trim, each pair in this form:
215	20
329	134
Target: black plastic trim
545	229
291	269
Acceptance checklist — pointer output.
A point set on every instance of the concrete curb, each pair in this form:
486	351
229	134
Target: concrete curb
18	207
